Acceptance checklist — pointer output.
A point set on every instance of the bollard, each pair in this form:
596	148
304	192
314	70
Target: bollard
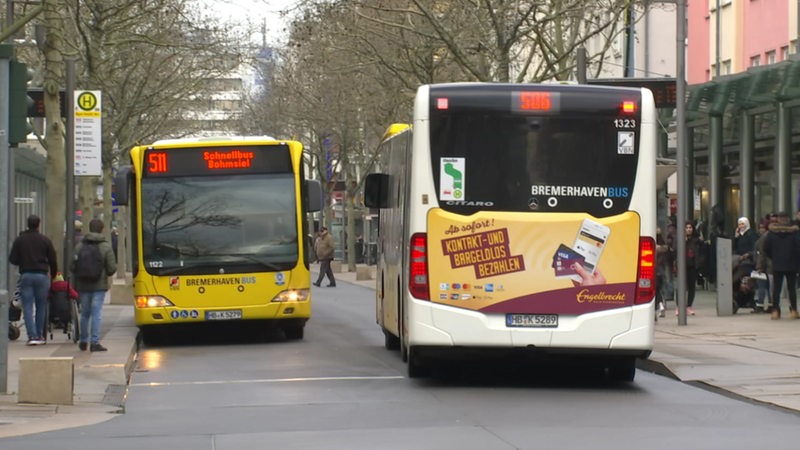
363	273
46	380
724	278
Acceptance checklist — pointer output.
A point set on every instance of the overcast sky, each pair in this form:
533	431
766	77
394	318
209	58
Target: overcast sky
253	13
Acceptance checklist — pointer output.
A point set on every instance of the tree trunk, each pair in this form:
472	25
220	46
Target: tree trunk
56	201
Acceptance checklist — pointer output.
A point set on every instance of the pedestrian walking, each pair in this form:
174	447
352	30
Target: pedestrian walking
94	262
764	266
694	262
782	246
323	247
663	268
34	254
77	232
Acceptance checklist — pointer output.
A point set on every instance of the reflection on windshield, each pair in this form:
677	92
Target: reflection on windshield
244	223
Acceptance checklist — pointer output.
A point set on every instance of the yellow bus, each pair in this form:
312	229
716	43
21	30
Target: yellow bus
518	219
218	231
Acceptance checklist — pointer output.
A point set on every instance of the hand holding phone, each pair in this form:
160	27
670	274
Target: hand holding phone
589	243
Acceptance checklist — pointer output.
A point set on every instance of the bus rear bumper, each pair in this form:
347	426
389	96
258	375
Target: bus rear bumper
622	331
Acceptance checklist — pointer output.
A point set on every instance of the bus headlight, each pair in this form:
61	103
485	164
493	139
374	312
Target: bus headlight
152	301
292	295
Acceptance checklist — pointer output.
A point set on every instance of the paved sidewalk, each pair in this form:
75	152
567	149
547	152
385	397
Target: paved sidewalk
746	354
100	378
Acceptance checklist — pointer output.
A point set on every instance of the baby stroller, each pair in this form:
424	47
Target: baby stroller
744	285
14	315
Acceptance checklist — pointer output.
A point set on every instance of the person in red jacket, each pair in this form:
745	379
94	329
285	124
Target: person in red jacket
60	285
61	293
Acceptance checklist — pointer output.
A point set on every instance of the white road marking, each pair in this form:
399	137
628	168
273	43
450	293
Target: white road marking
264	380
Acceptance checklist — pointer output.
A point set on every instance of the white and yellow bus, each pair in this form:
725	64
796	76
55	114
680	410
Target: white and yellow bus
518	218
217	232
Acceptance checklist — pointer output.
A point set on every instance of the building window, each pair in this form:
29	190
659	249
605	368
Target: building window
726	67
784	53
771	57
755	61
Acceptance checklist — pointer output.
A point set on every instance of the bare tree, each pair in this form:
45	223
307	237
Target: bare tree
351	66
150	58
55	178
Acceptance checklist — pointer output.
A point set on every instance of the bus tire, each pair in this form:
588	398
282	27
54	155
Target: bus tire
294	332
417	368
623	370
390	341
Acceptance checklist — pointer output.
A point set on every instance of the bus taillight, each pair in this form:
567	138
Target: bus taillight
629	106
418	267
646	278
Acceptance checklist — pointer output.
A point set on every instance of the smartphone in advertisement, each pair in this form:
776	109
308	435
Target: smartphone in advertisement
589	243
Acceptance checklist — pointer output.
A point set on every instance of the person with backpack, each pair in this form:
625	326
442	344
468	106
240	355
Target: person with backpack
94	262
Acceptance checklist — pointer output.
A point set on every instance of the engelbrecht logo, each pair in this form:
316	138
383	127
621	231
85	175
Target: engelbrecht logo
600	297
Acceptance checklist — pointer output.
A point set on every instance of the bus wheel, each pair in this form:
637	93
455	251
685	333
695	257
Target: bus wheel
622	370
416	365
294	332
390	341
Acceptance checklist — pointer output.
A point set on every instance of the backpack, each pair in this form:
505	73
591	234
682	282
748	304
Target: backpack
89	262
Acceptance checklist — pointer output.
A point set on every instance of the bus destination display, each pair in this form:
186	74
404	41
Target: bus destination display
217	160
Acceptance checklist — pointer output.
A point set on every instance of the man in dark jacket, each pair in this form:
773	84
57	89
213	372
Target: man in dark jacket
92	293
35	255
782	246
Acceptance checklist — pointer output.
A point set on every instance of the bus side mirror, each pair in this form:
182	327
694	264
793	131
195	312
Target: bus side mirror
122	184
376	190
314	193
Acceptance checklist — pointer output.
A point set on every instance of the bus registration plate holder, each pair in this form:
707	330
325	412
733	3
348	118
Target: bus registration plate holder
224	315
532	320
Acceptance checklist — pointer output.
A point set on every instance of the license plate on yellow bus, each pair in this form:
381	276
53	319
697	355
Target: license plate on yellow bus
532	320
224	315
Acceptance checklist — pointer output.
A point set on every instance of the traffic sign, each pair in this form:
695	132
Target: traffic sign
88	133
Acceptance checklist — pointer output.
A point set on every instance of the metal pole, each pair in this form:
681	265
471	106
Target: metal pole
631	43
680	81
580	65
747	179
647	38
69	147
6	52
718	22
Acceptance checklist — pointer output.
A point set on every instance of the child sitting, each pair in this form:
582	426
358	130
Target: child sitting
60	294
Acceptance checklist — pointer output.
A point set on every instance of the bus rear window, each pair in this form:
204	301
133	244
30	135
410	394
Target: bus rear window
566	162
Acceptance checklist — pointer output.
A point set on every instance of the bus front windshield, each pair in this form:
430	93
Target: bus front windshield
211	225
